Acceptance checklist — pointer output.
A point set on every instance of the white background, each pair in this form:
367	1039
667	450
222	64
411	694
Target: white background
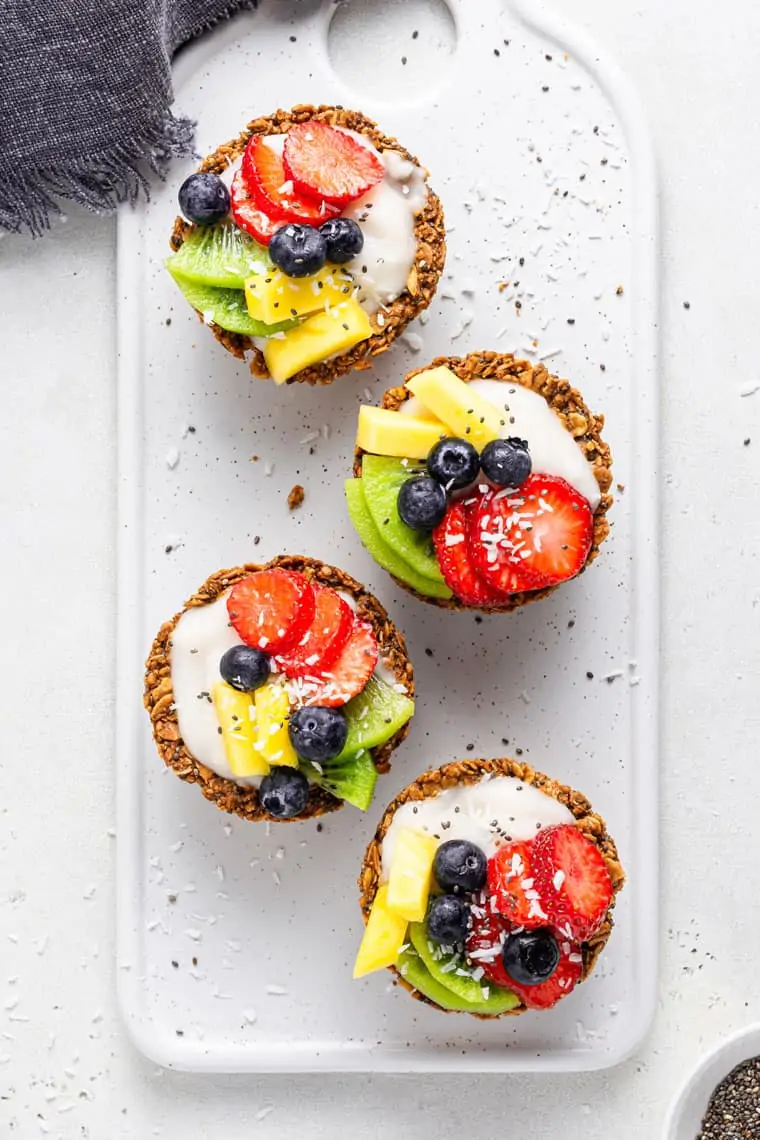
66	1069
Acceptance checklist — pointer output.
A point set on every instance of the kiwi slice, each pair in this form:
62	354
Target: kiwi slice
224	307
441	969
350	778
374	716
220	255
383	478
414	971
382	553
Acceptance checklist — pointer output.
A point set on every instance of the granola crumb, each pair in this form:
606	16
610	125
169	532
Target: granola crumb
296	497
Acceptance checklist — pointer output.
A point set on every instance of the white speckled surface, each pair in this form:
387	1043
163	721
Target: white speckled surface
68	1070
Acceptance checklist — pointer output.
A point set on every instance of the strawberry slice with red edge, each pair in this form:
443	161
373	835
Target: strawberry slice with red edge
512	886
452	552
271	609
572	880
328	164
247	214
272	190
485	940
324	639
564	979
349	673
539	534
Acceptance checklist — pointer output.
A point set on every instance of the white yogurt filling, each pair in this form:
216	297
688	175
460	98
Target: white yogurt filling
553	450
492	812
201	637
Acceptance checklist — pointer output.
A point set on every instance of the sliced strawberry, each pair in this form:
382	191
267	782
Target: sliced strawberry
247	214
539	534
328	164
272	190
485	940
559	985
452	551
324	639
512	887
348	674
572	880
271	609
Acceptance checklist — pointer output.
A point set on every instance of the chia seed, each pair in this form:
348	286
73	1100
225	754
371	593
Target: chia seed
733	1112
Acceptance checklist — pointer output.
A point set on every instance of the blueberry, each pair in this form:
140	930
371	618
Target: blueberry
245	668
454	462
460	866
344	239
448	919
204	198
530	957
318	734
299	251
506	462
421	503
284	792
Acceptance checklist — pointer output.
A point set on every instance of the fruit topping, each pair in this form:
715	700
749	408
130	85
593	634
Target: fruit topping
512	887
298	250
572	880
382	479
284	793
537	536
506	462
545	994
530	956
485	939
318	734
329	164
460	866
272	705
234	711
444	988
454	463
248	215
452	549
204	198
221	255
328	633
350	778
344	239
382	548
375	715
467	414
271	609
272	190
273	296
411	873
421	503
223	307
349	673
386	433
316	338
447	920
244	668
383	936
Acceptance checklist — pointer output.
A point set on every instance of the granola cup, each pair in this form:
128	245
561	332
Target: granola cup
470	772
159	696
391	319
567	403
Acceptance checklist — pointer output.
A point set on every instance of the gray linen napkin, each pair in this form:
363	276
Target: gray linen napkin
85	91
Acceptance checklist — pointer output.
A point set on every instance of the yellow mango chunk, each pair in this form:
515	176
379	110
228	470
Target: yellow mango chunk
463	411
383	432
384	936
234	711
411	874
315	339
272	710
273	296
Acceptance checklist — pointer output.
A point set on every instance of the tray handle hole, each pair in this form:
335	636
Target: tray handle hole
391	49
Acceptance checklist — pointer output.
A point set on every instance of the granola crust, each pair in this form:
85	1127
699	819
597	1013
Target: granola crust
471	771
566	402
429	231
158	696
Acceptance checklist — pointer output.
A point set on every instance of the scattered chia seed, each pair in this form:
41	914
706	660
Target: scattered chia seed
733	1112
687	304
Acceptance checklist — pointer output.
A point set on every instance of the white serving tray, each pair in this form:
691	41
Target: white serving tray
539	152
